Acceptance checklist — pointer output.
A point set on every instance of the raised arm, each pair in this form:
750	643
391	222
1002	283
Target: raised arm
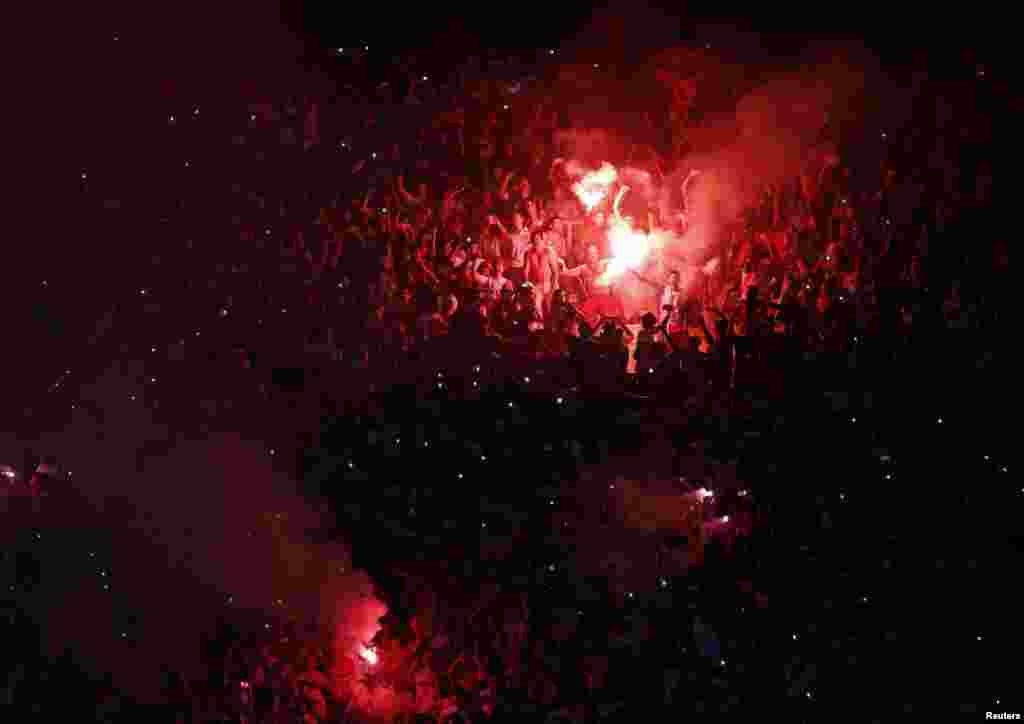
500	227
402	191
618	200
503	193
787	282
407	197
663	329
448	203
433	242
427	272
711	339
573	273
556	165
534	211
686	185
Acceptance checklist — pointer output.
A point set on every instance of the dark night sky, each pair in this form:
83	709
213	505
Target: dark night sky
772	30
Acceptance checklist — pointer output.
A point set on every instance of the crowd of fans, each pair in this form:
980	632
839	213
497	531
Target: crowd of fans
467	236
452	239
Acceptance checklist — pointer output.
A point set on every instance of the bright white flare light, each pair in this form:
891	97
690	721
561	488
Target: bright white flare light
593	187
368	654
629	250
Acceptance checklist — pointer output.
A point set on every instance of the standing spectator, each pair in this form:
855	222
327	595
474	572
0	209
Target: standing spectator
542	271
